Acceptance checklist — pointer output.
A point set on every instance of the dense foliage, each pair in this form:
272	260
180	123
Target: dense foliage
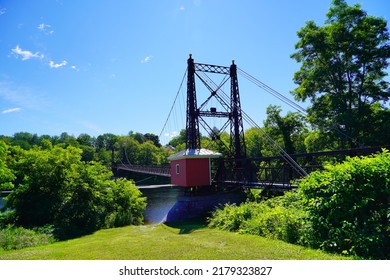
349	208
343	209
13	238
55	187
278	218
6	174
343	70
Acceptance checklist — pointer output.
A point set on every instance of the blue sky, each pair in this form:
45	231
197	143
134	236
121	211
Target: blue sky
113	66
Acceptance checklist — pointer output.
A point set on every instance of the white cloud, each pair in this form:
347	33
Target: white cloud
52	64
182	8
74	67
46	28
2	11
26	55
146	59
12	110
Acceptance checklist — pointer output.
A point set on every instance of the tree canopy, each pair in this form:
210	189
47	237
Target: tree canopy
343	66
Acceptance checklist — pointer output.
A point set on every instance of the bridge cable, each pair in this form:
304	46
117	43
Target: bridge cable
291	103
225	100
174	102
282	152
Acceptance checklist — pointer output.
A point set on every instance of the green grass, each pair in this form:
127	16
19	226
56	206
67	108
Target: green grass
167	242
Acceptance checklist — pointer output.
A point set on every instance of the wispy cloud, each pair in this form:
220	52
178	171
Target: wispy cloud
2	11
52	64
146	59
46	28
21	97
24	54
11	110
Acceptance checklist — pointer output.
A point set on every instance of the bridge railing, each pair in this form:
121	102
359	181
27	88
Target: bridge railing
159	170
273	171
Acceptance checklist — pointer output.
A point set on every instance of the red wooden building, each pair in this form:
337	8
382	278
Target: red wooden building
191	167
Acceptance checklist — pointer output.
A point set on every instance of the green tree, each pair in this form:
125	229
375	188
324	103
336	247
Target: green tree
342	73
128	150
254	141
154	138
148	154
6	174
289	130
42	175
56	187
179	141
86	139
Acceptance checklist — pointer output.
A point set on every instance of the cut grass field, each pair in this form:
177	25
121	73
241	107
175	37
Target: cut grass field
167	242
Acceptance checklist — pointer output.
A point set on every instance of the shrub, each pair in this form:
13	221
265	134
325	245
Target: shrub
56	187
348	206
278	218
13	238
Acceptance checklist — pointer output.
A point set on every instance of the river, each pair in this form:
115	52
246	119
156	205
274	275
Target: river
169	204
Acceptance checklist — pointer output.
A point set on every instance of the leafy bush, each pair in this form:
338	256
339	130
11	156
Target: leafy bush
343	209
13	238
278	218
349	208
56	187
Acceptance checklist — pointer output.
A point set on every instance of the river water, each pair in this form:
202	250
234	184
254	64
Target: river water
160	200
169	204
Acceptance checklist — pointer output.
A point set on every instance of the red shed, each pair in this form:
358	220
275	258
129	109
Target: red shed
191	167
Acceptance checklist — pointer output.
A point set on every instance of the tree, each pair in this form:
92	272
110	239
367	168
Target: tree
154	138
148	154
254	141
86	139
342	72
54	186
6	174
290	129
179	141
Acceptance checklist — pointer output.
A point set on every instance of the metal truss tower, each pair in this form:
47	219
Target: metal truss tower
192	122
232	107
237	140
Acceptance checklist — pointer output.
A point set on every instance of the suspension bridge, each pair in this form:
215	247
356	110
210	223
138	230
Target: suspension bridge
196	167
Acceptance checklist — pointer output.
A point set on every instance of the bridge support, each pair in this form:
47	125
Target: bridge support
192	123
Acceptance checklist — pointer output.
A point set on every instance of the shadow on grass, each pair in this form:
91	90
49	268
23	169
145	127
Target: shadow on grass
188	226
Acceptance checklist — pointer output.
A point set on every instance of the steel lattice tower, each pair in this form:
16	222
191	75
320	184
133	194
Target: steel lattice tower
233	110
237	140
192	123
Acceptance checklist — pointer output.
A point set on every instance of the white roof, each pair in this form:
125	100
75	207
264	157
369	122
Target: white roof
195	153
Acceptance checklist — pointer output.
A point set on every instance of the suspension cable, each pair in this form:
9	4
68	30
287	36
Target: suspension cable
272	142
272	91
291	103
174	102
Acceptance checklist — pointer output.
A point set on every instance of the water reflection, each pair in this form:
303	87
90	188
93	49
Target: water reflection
160	200
169	204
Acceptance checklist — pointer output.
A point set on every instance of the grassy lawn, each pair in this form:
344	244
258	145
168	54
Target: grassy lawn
167	242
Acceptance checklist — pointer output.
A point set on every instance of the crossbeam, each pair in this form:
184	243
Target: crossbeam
212	68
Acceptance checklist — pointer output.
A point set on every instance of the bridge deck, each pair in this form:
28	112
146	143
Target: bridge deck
164	171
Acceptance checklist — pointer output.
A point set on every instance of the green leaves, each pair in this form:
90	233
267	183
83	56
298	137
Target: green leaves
344	209
56	187
342	72
6	175
348	206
